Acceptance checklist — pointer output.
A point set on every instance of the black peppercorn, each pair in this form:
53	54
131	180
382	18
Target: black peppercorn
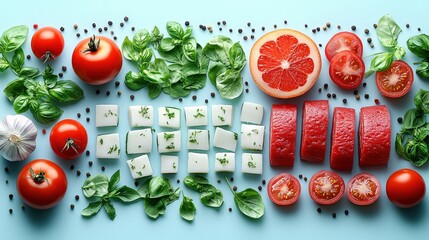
319	210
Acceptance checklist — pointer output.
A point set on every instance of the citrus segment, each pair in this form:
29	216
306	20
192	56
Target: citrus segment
285	63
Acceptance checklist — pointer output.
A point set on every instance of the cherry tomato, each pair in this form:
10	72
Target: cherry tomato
405	188
363	189
97	60
343	41
326	187
41	184
284	189
47	43
396	81
68	139
347	70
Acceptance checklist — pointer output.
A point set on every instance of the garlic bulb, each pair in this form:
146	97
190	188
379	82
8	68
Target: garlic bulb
17	137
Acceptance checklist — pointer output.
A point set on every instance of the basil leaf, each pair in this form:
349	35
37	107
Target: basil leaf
417	152
66	91
399	52
230	84
413	119
167	44
212	197
46	112
154	207
388	31
215	70
95	186
28	72
187	209
143	190
176	90
17	60
49	78
13	38
248	201
419	45
196	183
195	82
14	89
21	104
134	81
154	90
217	49
114	180
3	65
423	70
156	34
159	187
128	51
399	144
421	133
110	210
190	50
421	100
92	209
175	30
187	34
381	61
237	57
127	194
172	197
141	39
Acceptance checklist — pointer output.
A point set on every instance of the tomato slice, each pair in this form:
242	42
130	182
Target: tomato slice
347	69
396	81
284	189
343	41
363	189
326	187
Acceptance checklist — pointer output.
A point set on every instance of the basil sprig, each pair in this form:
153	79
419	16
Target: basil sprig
210	196
25	92
387	32
419	46
412	142
248	201
103	190
187	208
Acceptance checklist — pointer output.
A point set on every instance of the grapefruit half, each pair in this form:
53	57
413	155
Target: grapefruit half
285	63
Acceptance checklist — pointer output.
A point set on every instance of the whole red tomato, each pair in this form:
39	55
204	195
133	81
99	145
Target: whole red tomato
405	188
68	139
47	43
97	60
41	184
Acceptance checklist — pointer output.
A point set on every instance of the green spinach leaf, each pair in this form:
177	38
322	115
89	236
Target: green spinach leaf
187	208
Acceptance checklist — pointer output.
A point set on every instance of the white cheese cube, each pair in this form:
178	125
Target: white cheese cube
169	117
225	139
225	162
252	113
106	115
139	141
108	146
140	167
222	115
140	116
251	163
198	139
252	137
169	164
198	163
169	142
196	116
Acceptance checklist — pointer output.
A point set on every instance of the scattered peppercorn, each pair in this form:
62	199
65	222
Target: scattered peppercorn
224	22
107	93
318	29
132	97
72	206
300	176
87	110
334	95
369	40
320	45
76	197
344	100
112	32
85	30
247	90
353	28
133	29
376	101
357	97
88	174
275	26
252	36
313	30
264	182
319	210
60	75
346	212
253	30
28	56
328	95
246	83
407	25
306	25
121	24
71	167
97	91
240	30
328	24
218	180
320	89
419	29
231	179
100	30
374	25
325	86
334	215
90	163
355	92
366	95
77	34
230	30
259	188
78	172
43	131
10	210
212	94
206	101
305	179
94	25
88	119
103	168
364	84
7	181
324	28
75	26
194	97
339	26
22	207
11	196
230	209
366	30
126	19
62	29
110	23
234	188
245	38
248	24
371	45
6	169
78	115
400	119
136	183
178	180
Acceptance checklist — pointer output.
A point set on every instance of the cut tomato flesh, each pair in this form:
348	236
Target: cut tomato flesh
347	70
284	189
343	41
326	187
396	81
363	189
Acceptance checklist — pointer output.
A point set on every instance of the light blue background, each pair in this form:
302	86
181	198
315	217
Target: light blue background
300	221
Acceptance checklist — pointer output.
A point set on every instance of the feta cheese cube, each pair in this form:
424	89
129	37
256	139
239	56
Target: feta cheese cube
169	164
198	163
222	115
169	142
225	139
198	139
196	116
251	163
140	116
106	115
252	137
169	117
108	146
139	141
225	162
252	113
140	167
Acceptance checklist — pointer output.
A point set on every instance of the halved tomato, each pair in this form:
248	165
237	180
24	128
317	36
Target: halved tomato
284	189
396	81
326	187
347	69
363	189
343	41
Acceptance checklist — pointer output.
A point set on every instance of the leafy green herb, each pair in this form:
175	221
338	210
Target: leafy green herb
419	46
251	164
412	141
144	112
103	190
248	201
387	33
168	136
227	60
199	113
223	160
193	136
168	113
157	193
210	196
25	93
187	208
